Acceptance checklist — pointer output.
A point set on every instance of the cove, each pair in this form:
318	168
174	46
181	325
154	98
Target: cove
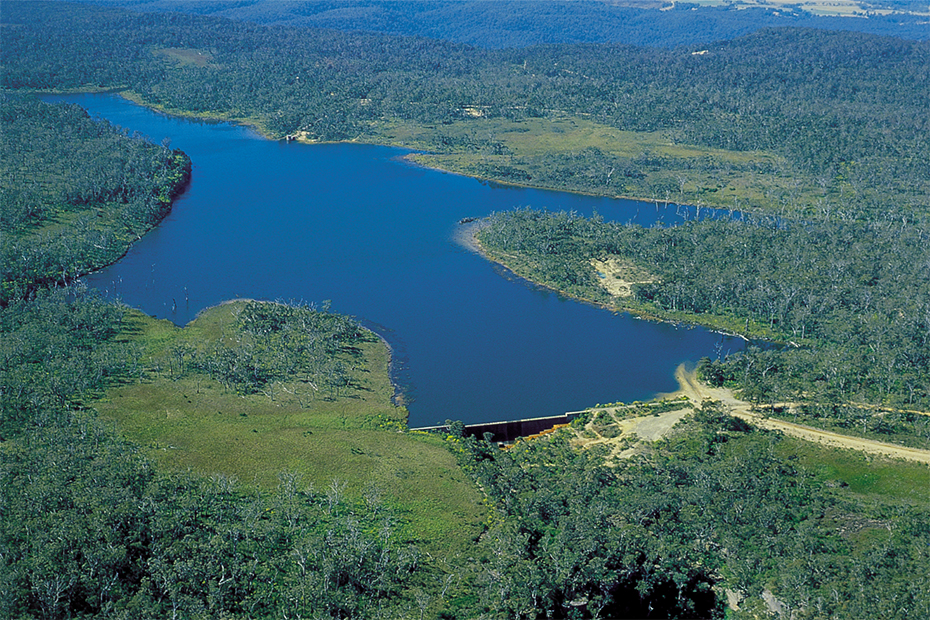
359	227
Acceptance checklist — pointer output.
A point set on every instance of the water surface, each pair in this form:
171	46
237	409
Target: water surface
356	225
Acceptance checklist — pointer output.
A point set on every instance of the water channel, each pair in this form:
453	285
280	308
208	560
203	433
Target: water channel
377	236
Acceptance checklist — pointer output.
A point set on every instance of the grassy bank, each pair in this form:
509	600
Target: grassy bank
858	474
186	420
573	153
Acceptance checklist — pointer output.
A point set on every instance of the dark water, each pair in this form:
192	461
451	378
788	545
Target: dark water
355	225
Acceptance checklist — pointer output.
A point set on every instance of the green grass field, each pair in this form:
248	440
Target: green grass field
359	439
862	474
557	153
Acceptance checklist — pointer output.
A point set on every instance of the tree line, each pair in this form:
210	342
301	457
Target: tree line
276	342
91	530
514	23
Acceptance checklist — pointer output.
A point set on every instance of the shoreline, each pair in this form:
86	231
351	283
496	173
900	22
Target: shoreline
475	244
409	159
256	125
466	234
468	238
176	190
176	193
398	396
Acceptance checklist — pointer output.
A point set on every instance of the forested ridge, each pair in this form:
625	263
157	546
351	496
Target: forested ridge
517	23
716	519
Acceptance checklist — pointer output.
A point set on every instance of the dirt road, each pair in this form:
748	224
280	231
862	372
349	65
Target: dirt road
698	392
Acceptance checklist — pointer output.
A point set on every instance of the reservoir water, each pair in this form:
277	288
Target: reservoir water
376	236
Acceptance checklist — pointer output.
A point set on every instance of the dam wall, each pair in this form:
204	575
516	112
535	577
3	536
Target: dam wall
507	430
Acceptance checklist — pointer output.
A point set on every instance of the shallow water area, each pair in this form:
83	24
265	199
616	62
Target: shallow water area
357	225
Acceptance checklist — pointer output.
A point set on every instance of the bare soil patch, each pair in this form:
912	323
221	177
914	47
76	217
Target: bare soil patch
626	435
622	437
618	275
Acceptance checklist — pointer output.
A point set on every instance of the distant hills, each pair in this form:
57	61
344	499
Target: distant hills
519	23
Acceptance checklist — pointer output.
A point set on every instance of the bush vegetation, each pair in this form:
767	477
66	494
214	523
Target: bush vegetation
847	301
251	464
75	193
716	506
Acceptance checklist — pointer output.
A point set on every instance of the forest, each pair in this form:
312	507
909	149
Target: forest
72	219
715	506
826	269
517	23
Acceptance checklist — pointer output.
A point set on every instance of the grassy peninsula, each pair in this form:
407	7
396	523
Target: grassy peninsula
251	391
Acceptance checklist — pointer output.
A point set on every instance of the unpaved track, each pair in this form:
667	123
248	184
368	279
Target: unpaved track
697	392
650	427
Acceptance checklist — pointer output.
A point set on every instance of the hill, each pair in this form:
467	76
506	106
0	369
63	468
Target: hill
518	23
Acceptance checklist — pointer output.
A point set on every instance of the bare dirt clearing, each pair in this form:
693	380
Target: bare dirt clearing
624	439
618	275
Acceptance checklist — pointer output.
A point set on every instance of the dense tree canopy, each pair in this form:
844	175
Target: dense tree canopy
74	193
712	507
91	530
517	23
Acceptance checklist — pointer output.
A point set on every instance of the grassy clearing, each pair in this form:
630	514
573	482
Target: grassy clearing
192	422
831	8
186	56
578	154
860	473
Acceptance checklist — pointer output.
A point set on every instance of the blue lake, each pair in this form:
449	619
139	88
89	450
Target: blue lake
358	226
